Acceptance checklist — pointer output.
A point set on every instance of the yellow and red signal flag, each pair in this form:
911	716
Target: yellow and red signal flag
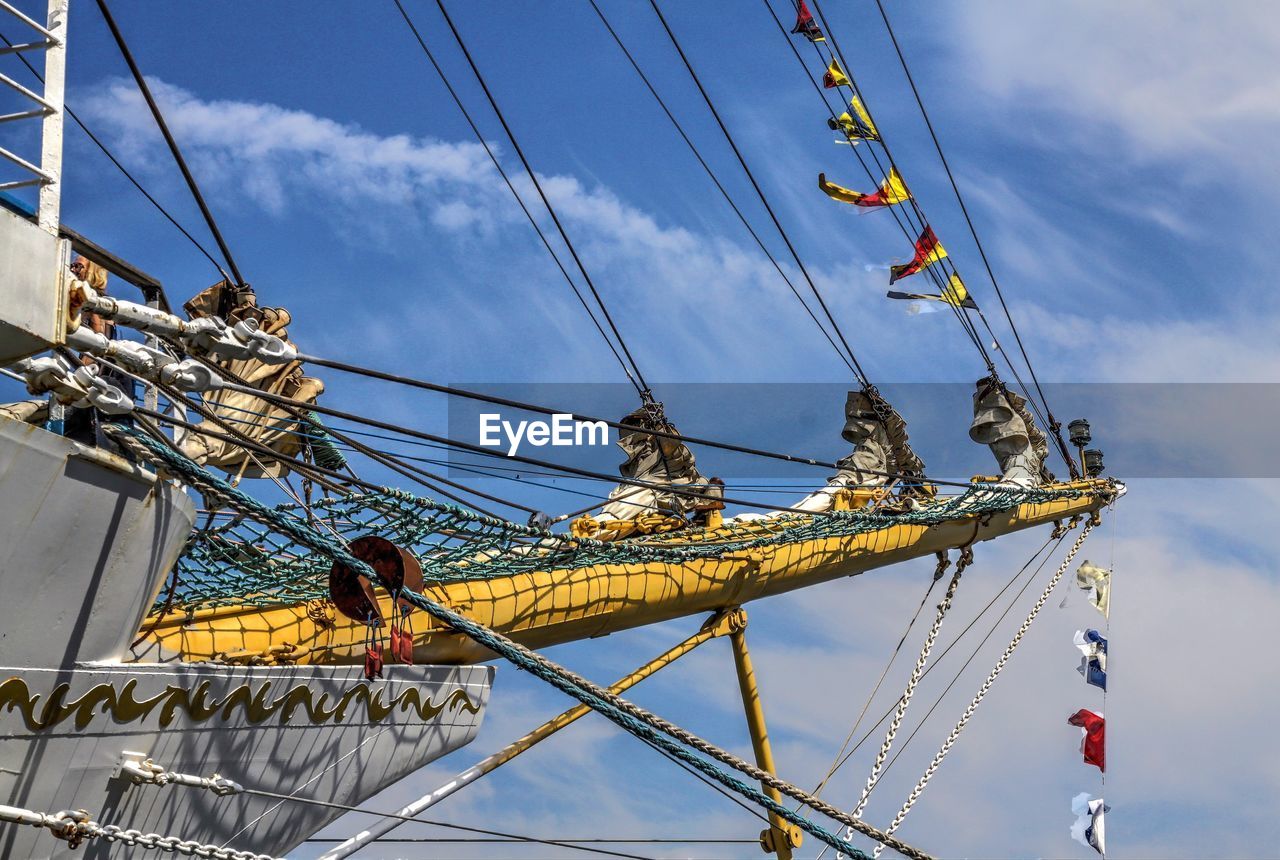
954	294
928	251
835	76
892	190
805	25
855	123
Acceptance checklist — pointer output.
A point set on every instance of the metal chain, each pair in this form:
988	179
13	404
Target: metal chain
75	826
966	558
173	845
986	685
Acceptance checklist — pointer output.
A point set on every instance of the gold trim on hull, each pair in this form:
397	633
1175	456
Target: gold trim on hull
545	608
255	705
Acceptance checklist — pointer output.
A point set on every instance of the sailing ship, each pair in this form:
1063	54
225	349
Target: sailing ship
226	677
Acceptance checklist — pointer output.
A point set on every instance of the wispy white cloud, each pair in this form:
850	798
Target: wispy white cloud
714	297
1166	80
711	309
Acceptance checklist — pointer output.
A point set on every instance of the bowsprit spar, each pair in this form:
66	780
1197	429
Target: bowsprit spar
349	571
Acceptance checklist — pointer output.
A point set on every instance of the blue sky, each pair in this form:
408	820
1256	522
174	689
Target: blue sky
1114	160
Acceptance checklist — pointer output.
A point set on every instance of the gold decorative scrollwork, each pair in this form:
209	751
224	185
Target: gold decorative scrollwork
257	704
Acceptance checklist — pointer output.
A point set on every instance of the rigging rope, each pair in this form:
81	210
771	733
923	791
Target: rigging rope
127	175
509	837
986	684
842	758
169	140
1052	424
530	407
533	222
859	374
716	181
909	230
635	720
642	387
939	273
972	655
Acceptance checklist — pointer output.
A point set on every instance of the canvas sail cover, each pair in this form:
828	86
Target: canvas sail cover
661	461
263	422
881	449
1002	422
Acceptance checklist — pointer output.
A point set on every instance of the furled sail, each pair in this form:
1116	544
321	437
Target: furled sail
263	422
881	450
1002	422
660	461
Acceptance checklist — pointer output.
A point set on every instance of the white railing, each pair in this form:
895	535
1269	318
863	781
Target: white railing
46	106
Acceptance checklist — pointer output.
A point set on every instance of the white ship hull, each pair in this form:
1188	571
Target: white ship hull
277	729
86	542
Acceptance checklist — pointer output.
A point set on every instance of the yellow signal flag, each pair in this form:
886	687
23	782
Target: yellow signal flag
956	293
860	111
892	191
835	76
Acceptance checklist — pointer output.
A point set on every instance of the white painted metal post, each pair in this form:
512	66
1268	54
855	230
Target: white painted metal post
55	76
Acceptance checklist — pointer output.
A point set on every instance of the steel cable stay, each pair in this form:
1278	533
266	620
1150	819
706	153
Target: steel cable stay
965	211
533	222
638	380
483	471
492	471
945	264
502	401
909	230
518	475
124	170
718	184
362	810
940	272
174	150
878	772
859	374
960	672
945	267
169	419
1047	418
479	470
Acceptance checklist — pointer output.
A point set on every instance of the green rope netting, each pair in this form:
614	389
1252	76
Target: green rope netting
237	561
